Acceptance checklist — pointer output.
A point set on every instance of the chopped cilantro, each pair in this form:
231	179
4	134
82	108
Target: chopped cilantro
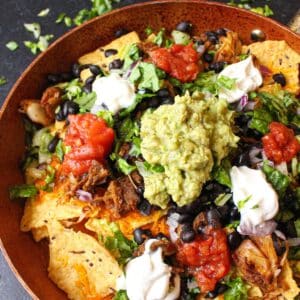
159	38
68	21
39	46
237	289
2	80
241	204
34	28
121	295
60	18
107	116
124	166
12	45
148	30
22	191
221	173
85	101
135	149
59	150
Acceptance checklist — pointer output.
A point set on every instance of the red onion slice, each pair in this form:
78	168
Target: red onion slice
84	196
242	103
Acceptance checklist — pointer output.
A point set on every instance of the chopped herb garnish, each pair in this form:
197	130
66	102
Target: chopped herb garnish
60	18
107	116
124	166
241	204
121	295
39	46
12	45
2	80
68	21
44	12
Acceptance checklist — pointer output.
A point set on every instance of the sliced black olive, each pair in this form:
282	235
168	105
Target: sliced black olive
234	240
208	57
116	64
184	27
217	66
110	52
221	32
95	69
120	32
279	78
144	207
52	145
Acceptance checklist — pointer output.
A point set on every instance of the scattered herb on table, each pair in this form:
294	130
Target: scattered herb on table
44	12
12	45
2	80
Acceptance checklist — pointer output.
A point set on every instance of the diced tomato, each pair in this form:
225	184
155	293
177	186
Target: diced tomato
207	258
280	145
179	61
90	139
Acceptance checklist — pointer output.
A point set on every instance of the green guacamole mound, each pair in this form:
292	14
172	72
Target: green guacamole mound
186	138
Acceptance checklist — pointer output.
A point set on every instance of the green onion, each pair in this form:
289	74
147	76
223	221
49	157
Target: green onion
2	80
12	45
34	28
60	18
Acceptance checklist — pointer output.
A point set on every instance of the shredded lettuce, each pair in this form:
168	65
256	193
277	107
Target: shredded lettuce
132	55
107	116
86	101
22	191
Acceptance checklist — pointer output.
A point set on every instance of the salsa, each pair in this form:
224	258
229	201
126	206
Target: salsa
207	257
179	61
89	139
280	144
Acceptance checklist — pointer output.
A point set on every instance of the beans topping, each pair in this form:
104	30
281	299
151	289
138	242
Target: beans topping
116	64
90	80
95	69
140	235
52	145
120	32
110	52
279	78
208	57
184	27
187	233
217	66
144	207
221	32
234	240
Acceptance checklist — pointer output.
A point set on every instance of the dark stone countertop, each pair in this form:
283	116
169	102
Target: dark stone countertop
13	14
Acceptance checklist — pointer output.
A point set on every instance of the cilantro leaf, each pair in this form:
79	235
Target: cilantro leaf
135	149
34	28
237	290
242	203
146	169
44	12
22	191
159	38
124	166
107	116
260	121
128	129
2	80
132	55
279	181
86	101
221	173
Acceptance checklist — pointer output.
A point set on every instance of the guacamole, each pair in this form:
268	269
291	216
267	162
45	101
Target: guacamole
186	138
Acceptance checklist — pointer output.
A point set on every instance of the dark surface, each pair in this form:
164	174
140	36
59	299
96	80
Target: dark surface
13	14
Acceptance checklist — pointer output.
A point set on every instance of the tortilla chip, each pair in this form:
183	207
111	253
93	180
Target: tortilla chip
79	265
98	58
46	207
278	57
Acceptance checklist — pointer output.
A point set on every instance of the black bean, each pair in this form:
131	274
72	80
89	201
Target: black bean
187	234
208	57
144	207
87	88
66	76
116	64
184	218
279	78
184	26
221	32
161	236
73	108
167	100
60	116
140	235
243	159
54	78
164	92
65	108
95	70
52	145
110	52
90	79
213	39
235	214
234	239
213	218
217	66
153	102
120	32
279	245
140	190
224	212
76	69
219	289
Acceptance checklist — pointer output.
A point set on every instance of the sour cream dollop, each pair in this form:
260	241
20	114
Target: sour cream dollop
255	197
148	277
113	93
247	76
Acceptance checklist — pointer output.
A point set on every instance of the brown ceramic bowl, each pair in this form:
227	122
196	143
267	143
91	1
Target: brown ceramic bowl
28	259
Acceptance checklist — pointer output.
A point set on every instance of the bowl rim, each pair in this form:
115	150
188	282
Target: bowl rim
78	28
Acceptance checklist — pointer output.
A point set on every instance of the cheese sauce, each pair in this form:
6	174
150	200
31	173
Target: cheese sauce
247	76
113	93
254	196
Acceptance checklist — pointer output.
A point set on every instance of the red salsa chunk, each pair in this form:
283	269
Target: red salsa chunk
179	61
90	139
280	145
207	258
